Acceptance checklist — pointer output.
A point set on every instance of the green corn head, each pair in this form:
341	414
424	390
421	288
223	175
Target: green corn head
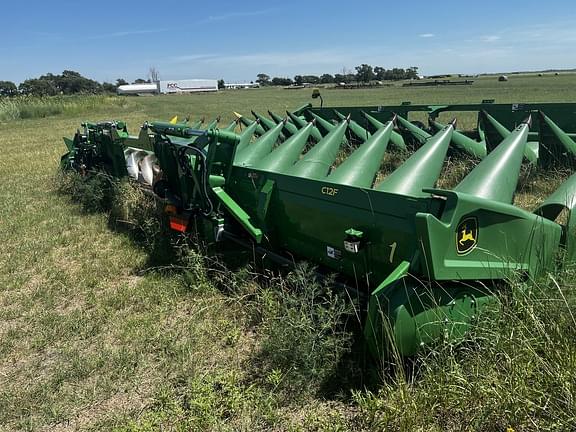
425	259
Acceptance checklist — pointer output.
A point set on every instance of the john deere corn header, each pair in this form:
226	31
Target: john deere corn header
425	259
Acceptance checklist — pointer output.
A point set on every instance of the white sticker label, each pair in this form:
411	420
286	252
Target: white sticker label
333	253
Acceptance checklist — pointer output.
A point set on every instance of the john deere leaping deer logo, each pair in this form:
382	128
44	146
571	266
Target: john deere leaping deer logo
466	235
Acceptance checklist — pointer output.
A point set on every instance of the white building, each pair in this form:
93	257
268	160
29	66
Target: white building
137	89
241	85
170	87
188	86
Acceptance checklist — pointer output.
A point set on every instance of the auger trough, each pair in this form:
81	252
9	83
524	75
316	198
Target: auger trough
305	185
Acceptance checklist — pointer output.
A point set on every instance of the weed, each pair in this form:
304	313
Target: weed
303	331
94	193
518	370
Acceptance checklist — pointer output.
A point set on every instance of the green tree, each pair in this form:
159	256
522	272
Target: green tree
277	81
121	81
364	73
412	72
263	79
72	82
326	78
109	87
221	84
298	80
37	87
311	79
350	77
8	88
397	74
339	78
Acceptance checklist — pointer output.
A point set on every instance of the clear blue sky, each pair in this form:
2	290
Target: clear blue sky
105	40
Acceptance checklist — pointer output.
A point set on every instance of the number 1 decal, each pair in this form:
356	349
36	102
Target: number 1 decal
392	251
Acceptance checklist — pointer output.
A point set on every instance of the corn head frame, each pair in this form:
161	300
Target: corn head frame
424	259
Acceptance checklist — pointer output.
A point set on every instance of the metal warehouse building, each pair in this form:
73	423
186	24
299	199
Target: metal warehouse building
170	87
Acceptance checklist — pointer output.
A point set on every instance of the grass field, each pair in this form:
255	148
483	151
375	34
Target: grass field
99	332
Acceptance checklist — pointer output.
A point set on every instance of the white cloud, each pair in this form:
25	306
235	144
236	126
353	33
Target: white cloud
193	58
490	38
426	35
126	33
310	58
231	15
517	48
246	65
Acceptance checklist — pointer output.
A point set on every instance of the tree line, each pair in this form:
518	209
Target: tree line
364	74
71	82
67	83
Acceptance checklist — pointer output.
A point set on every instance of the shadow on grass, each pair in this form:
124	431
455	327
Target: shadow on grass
129	210
309	331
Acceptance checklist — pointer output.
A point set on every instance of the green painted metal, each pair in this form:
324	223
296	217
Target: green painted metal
238	213
198	124
425	261
213	124
289	127
69	144
563	198
419	134
356	129
527	245
460	141
422	169
300	122
501	129
403	315
556	147
317	162
508	115
324	124
396	139
264	121
247	122
298	111
283	157
530	150
268	124
232	126
361	167
173	129
246	136
327	126
252	153
562	136
496	177
464	143
481	133
377	331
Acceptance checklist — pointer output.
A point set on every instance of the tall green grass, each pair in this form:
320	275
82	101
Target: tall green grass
303	325
28	107
516	370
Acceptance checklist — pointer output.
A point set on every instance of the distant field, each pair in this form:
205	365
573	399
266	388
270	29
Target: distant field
99	332
521	88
